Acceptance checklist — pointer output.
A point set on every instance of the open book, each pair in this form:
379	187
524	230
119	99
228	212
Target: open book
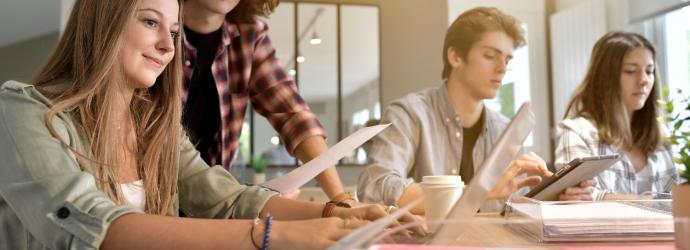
598	221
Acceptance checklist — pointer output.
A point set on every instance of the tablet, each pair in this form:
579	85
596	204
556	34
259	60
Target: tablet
571	174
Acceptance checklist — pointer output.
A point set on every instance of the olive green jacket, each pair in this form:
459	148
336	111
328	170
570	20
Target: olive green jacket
49	200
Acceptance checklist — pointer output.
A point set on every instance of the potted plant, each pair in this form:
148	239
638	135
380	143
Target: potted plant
259	166
678	116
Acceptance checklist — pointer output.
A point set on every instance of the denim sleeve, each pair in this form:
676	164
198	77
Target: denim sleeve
211	192
391	156
42	186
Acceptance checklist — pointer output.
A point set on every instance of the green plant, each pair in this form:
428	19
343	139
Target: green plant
258	164
679	119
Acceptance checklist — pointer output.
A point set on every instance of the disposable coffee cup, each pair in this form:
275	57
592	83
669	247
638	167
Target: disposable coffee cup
440	194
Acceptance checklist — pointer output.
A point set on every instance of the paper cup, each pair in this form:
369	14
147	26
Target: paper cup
440	194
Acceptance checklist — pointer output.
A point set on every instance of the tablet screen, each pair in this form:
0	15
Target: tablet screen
577	170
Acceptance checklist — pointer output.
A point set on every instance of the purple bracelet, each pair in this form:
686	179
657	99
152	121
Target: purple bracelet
267	231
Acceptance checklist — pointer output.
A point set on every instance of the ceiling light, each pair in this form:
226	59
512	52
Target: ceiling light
315	39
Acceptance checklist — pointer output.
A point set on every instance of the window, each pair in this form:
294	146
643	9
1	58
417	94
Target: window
670	34
332	53
516	86
677	39
677	63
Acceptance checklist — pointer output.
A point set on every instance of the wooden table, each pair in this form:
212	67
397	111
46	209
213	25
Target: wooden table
492	230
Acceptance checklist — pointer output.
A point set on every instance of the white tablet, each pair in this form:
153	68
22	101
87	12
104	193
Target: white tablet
577	170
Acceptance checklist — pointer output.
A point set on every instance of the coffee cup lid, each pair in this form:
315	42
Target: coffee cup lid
442	180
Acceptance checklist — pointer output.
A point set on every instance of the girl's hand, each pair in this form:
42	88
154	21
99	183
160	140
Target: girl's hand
309	234
582	192
372	212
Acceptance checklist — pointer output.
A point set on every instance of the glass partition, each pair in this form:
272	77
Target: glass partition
331	50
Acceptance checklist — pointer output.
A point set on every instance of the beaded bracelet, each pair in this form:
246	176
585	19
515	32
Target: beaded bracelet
267	231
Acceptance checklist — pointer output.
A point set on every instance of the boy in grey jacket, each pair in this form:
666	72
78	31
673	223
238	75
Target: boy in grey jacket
446	130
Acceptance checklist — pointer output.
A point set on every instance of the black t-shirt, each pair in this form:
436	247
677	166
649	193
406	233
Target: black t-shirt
469	139
201	114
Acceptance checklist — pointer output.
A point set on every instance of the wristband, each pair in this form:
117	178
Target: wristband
251	232
328	210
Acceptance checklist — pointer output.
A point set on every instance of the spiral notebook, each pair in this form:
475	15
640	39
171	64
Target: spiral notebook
601	221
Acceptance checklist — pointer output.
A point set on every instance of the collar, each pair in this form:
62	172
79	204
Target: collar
448	112
228	32
446	109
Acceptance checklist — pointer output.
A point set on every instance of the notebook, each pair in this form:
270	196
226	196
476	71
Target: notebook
599	220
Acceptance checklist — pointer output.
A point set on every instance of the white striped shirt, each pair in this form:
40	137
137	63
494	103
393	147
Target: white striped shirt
579	137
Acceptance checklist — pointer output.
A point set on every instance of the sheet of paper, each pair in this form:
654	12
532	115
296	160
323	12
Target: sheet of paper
301	175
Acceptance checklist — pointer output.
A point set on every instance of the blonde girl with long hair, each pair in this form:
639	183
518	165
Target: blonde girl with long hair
614	111
93	153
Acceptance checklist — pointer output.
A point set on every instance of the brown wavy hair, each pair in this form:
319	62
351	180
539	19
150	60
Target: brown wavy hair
598	98
86	55
469	27
247	10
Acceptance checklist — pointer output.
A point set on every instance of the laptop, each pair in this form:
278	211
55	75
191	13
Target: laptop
504	151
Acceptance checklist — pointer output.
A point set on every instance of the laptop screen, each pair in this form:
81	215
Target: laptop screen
503	152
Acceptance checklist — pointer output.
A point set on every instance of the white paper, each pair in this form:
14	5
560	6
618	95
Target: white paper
301	175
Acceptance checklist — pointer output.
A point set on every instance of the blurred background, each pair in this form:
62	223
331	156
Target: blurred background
350	58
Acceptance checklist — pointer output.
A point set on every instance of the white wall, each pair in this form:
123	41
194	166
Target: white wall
642	9
564	4
412	34
22	20
574	30
620	14
20	61
65	9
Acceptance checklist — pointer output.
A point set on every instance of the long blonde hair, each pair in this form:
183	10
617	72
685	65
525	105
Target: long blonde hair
598	97
86	55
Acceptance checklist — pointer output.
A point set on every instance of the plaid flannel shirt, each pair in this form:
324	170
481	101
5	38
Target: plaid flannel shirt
246	68
579	138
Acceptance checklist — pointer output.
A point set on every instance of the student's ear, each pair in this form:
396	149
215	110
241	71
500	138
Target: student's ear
454	57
